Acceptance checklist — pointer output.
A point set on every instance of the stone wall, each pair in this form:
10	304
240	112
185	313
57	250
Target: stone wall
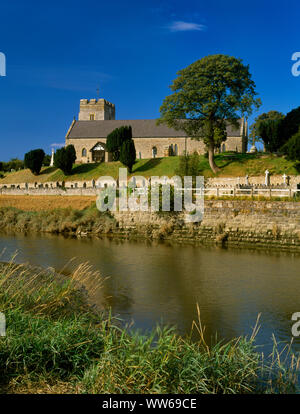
275	180
239	223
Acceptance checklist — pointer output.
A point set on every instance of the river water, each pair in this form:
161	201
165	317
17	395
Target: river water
148	283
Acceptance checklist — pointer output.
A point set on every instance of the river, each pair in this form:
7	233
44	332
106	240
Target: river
147	282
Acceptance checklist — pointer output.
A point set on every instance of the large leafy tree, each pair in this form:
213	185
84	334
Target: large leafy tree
207	95
34	160
255	129
64	159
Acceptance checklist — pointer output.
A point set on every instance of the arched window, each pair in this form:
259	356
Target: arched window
84	152
154	152
175	149
223	148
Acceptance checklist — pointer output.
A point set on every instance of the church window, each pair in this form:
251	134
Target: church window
223	148
175	149
92	117
84	152
154	152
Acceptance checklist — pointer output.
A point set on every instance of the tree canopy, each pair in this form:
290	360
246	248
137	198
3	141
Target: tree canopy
290	125
34	160
255	128
292	147
208	94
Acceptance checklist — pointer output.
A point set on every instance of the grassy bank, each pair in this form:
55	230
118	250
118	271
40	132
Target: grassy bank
232	165
58	220
55	342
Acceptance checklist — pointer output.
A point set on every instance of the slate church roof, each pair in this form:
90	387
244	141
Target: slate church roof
141	128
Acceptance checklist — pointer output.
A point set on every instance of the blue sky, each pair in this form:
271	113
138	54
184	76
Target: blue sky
60	51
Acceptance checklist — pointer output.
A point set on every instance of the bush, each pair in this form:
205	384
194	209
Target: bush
34	160
128	154
289	125
64	159
292	148
115	140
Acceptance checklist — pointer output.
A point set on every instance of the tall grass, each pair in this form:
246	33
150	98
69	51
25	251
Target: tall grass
56	340
63	220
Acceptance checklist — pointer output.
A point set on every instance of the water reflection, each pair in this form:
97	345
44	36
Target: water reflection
153	282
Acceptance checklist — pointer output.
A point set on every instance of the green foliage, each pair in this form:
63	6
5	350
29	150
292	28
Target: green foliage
34	160
290	125
268	130
47	160
128	154
209	93
35	344
189	165
255	127
48	341
115	140
292	147
64	159
13	164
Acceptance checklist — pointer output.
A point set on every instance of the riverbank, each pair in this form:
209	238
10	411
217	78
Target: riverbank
240	223
57	343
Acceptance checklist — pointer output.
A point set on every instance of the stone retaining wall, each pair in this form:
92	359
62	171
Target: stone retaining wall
255	223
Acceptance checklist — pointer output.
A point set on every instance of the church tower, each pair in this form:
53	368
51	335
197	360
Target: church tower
96	110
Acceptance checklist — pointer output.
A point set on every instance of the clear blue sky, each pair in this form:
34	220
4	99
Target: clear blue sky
60	51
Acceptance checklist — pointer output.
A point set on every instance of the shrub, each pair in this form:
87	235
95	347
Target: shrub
292	148
64	159
115	140
128	154
34	160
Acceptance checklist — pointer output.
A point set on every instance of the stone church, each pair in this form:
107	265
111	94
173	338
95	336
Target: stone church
97	119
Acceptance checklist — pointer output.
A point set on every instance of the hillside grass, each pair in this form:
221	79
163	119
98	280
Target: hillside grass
56	342
232	165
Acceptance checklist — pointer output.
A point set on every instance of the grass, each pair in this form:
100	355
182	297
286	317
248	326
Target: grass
56	342
232	165
60	220
37	203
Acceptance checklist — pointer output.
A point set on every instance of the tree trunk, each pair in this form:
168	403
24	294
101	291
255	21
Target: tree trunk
211	153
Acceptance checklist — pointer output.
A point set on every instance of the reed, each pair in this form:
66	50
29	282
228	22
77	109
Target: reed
57	342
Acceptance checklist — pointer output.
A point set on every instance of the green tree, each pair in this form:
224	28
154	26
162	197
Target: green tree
189	165
115	140
128	154
268	130
34	160
289	125
47	160
292	148
64	159
208	94
255	127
